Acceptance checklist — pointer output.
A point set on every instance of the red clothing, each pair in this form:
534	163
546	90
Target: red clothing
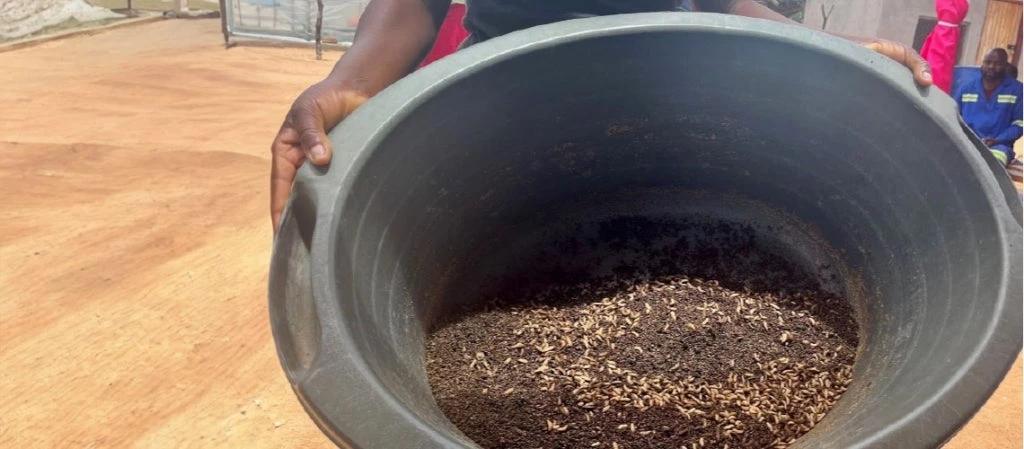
940	47
450	36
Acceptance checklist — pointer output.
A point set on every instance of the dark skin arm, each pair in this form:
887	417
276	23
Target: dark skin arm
392	37
379	56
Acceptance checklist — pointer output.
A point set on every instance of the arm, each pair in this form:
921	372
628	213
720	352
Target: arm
893	50
1014	131
392	37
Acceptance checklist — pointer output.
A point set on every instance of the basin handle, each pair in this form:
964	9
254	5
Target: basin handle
293	311
1012	198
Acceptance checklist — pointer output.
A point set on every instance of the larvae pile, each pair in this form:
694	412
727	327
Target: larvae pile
670	362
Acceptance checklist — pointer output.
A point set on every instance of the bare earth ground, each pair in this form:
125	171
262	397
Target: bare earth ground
156	5
134	243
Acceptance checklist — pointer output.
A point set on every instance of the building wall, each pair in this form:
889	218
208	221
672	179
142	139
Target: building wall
901	16
853	17
892	19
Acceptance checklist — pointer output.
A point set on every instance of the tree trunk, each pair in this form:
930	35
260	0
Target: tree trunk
825	15
223	21
319	29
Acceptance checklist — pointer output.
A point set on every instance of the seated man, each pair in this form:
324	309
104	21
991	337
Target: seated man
991	106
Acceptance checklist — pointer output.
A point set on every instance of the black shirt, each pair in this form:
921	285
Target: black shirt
491	18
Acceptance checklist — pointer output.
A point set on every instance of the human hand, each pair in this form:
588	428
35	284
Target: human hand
989	142
903	55
303	136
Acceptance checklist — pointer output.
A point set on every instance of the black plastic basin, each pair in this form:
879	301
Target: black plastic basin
828	152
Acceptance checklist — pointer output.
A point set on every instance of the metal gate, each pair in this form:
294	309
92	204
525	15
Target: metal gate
292	20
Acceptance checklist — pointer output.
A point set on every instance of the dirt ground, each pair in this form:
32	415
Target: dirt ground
134	243
156	5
